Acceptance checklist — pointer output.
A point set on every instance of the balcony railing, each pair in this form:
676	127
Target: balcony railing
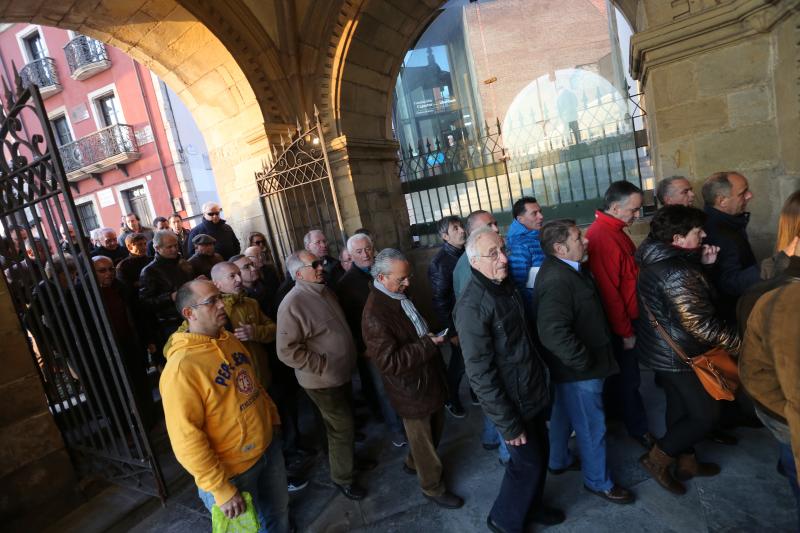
102	150
86	57
41	72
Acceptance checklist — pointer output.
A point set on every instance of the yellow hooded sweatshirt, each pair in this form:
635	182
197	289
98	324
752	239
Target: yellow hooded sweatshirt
219	419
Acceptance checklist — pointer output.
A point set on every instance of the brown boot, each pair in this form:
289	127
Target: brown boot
689	467
659	465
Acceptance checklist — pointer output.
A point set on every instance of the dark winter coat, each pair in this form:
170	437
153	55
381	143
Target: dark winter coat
202	264
158	281
353	291
115	255
673	285
504	369
736	268
227	244
440	272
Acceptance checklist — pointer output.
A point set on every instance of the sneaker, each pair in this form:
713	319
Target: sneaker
456	411
399	440
296	484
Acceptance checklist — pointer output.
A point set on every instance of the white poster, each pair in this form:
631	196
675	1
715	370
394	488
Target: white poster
106	197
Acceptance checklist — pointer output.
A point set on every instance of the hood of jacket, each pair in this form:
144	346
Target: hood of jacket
186	343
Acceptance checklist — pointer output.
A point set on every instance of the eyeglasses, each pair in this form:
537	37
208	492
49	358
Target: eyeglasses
315	264
214	214
495	254
211	301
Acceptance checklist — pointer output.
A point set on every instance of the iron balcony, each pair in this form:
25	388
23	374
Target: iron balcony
41	72
90	156
86	57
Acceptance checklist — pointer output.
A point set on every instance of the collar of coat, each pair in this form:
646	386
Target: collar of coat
452	250
505	287
738	222
608	221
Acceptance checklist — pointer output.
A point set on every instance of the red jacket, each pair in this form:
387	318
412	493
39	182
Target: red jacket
615	271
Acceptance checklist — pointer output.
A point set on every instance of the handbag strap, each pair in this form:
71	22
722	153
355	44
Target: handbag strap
664	335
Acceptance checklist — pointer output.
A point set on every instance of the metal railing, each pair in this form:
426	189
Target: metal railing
98	146
41	72
82	51
567	167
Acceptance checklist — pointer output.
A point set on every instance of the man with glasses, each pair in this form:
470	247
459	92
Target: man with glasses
313	338
227	244
109	246
315	242
221	423
509	379
405	351
260	279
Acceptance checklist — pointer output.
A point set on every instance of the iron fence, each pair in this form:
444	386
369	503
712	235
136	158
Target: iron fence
567	167
93	148
41	72
82	51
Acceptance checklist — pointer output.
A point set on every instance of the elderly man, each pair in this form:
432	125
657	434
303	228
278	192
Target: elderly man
675	190
577	348
523	241
176	225
315	242
160	281
130	269
204	257
406	353
615	272
440	273
509	379
220	421
226	244
462	273
353	291
134	225
109	246
313	338
726	195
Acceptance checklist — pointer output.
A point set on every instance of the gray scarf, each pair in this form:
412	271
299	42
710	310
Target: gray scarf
408	307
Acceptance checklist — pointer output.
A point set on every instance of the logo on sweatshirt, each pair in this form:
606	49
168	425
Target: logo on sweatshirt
244	383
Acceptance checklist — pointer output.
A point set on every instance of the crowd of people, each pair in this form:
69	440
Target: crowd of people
549	325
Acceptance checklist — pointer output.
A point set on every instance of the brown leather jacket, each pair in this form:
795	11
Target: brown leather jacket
413	373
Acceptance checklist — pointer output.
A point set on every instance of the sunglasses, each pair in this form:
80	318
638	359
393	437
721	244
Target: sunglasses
315	264
214	214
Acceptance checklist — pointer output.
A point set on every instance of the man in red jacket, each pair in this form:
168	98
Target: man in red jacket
614	269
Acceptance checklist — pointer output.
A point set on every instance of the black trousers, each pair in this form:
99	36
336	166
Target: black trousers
455	371
691	412
523	483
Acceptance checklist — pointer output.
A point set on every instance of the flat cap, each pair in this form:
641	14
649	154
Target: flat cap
202	238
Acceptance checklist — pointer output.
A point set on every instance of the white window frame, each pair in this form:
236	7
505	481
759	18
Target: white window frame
91	199
95	95
59	112
123	204
27	32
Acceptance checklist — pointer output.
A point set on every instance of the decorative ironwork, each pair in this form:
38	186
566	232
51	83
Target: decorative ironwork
566	168
41	72
100	150
297	192
85	57
81	366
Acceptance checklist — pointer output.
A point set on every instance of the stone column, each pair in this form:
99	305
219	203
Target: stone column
720	81
37	478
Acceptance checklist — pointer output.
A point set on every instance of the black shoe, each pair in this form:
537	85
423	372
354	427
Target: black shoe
362	464
353	491
489	446
456	411
494	526
575	466
408	470
548	516
448	500
616	494
721	437
646	441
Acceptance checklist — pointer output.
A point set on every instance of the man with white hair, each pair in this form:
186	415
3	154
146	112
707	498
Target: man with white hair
315	242
353	290
401	345
226	245
313	338
108	246
509	379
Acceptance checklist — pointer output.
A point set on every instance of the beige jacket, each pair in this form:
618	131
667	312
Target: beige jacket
314	338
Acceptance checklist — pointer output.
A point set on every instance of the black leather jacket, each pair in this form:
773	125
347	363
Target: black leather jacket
673	285
504	368
440	272
157	282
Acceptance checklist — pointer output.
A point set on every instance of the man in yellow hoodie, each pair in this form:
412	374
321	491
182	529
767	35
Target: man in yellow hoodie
219	419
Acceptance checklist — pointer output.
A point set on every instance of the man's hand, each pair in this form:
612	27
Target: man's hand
233	507
709	254
522	440
437	340
629	342
454	341
245	332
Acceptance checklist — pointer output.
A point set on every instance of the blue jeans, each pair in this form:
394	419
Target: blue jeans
622	390
491	435
266	482
578	405
781	433
389	414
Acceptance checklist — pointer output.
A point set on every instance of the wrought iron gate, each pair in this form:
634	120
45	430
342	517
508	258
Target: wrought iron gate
297	193
59	304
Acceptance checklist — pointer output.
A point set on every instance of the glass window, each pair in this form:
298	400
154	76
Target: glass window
61	130
108	107
88	216
34	46
136	198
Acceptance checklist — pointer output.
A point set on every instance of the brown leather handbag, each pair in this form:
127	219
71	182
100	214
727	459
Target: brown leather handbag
717	371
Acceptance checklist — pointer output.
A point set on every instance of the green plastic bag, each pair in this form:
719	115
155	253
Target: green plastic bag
247	522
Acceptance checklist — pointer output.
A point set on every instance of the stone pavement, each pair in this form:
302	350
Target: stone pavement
749	495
